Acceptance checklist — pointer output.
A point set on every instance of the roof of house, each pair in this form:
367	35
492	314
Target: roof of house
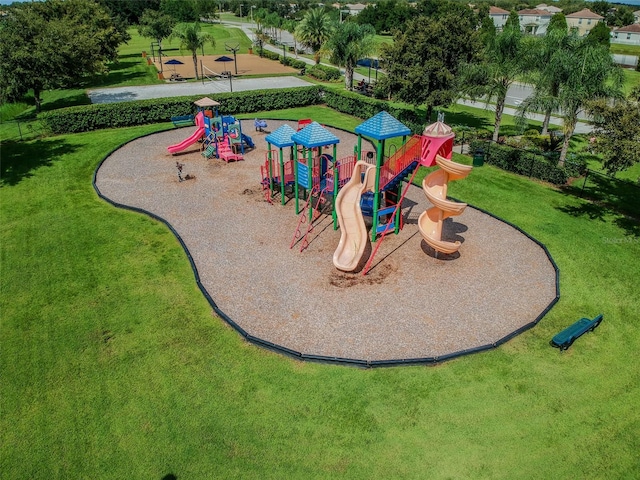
497	11
585	13
534	11
633	28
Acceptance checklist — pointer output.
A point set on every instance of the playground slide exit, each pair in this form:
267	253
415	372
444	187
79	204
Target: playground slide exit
353	231
197	135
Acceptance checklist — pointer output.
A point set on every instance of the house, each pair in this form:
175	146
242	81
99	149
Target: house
534	21
583	21
355	8
499	16
629	35
636	16
549	8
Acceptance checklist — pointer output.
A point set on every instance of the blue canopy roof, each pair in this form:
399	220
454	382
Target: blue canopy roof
382	126
281	137
315	135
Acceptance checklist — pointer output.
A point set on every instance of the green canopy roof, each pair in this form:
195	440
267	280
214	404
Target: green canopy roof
382	126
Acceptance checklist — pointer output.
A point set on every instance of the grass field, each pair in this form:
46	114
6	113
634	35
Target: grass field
114	367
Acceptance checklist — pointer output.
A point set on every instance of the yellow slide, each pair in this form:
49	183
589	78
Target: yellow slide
435	188
353	231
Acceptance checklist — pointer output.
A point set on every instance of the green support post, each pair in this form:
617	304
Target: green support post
295	178
310	183
270	168
334	214
358	151
398	212
376	193
281	177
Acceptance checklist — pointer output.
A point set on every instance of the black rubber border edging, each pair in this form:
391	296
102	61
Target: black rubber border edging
321	358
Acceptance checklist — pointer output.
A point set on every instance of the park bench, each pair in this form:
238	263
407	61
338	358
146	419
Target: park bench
566	337
183	121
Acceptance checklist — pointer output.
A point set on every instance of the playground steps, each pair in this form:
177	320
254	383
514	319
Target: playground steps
366	202
566	337
209	152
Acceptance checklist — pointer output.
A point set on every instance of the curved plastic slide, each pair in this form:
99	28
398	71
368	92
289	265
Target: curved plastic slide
435	188
353	231
197	135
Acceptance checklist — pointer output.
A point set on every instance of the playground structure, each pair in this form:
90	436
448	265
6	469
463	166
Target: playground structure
236	239
376	189
221	136
435	188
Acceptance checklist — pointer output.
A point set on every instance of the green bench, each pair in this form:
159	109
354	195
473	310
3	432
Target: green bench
566	337
183	121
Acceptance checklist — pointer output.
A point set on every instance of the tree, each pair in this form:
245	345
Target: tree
55	44
314	29
423	60
290	26
600	35
617	131
193	39
386	15
349	43
585	72
130	11
180	10
504	62
546	74
156	25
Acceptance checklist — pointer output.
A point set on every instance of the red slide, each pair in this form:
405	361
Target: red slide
197	135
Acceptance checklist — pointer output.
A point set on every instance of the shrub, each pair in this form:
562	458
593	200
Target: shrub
113	115
320	72
522	162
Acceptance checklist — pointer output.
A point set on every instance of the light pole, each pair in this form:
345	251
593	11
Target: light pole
241	5
252	7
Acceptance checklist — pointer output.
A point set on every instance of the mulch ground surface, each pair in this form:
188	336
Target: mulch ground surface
412	304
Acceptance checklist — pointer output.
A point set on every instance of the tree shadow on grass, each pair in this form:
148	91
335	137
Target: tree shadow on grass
607	196
468	119
21	159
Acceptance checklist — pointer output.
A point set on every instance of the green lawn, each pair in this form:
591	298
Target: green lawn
624	49
114	367
631	80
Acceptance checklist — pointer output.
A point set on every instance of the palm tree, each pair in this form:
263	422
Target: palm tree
349	43
290	26
314	29
546	74
585	72
192	39
504	63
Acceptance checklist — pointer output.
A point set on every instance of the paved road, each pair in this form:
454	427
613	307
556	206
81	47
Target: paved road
127	94
515	95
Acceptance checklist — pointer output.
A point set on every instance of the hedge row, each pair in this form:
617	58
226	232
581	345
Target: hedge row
366	107
288	61
320	72
84	118
522	162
